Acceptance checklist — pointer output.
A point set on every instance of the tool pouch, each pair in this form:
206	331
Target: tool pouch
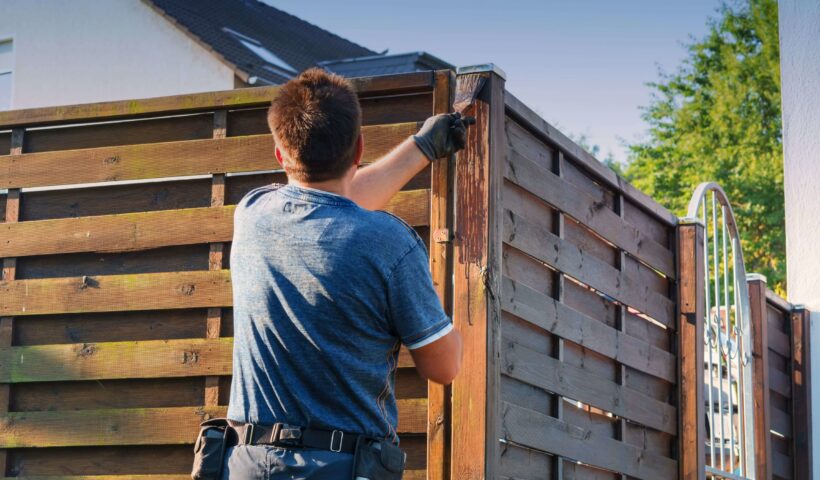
209	449
377	460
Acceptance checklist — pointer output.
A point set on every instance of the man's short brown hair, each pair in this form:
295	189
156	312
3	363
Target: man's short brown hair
317	119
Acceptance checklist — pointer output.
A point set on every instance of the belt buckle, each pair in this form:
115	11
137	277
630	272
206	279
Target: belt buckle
333	440
285	434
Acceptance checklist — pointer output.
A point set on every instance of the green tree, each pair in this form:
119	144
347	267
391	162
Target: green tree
718	118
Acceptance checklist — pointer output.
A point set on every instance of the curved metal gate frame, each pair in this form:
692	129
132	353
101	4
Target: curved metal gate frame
727	339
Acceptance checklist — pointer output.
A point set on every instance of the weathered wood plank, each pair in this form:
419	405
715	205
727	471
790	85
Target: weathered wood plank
524	114
569	259
777	340
559	319
197	102
577	204
476	259
169	159
573	382
441	255
116	360
116	293
146	230
541	432
120	360
146	426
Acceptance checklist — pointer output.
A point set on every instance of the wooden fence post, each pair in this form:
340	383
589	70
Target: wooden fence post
691	411
441	255
476	269
801	393
760	367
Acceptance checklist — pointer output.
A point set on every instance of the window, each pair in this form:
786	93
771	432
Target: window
5	74
276	64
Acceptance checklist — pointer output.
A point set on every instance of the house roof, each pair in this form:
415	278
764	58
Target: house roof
255	39
385	64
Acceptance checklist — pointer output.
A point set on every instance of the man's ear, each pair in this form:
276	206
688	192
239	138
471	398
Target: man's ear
357	159
279	158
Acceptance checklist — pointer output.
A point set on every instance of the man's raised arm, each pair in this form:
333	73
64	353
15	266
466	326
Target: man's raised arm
440	136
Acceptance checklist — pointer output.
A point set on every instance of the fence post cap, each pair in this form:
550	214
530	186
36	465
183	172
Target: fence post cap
691	221
750	277
799	306
481	68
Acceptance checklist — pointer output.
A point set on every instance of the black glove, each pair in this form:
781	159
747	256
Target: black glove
443	135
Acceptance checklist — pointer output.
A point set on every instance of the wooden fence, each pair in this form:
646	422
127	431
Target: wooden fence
783	380
116	319
566	282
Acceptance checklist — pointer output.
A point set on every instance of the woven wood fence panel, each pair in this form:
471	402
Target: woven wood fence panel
115	338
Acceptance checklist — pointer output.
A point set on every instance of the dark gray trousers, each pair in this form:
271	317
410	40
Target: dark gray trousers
264	462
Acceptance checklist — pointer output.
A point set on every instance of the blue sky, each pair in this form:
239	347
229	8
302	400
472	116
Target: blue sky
581	64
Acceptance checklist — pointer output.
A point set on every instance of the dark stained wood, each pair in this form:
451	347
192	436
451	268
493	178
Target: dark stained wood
116	293
169	159
477	270
126	393
579	205
561	320
760	367
197	102
174	460
109	327
564	379
150	130
801	388
545	433
527	116
572	261
691	410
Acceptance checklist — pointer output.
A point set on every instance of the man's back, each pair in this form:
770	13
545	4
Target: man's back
324	291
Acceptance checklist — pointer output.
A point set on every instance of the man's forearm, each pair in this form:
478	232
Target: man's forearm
374	185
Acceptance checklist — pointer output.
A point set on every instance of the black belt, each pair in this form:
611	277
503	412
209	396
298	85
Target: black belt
284	435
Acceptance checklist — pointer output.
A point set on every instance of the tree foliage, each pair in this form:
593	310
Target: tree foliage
718	118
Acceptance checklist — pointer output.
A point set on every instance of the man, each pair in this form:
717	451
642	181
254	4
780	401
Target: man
326	288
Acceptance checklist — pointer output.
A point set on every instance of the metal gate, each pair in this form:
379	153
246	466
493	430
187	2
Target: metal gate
727	358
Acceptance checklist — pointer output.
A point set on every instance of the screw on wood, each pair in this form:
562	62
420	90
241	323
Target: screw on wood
442	235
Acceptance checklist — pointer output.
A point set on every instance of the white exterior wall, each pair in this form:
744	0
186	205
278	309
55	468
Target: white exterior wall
80	51
800	74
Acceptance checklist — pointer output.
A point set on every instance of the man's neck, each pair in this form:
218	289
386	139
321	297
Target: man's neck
337	186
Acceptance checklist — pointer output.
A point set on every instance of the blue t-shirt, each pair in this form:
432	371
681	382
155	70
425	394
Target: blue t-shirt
324	292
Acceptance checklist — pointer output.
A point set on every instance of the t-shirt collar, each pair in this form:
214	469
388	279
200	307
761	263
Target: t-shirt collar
314	195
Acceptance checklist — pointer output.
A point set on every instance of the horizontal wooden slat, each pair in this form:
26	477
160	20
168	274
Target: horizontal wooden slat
778	341
780	382
120	360
571	260
146	230
579	384
116	293
541	432
169	159
778	302
197	102
140	426
116	360
782	466
781	422
528	117
573	201
559	319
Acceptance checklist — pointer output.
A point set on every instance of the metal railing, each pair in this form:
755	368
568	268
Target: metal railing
727	340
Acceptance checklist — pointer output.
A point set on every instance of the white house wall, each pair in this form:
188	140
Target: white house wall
82	51
800	79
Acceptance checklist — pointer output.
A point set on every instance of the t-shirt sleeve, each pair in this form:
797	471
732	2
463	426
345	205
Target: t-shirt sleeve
413	306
